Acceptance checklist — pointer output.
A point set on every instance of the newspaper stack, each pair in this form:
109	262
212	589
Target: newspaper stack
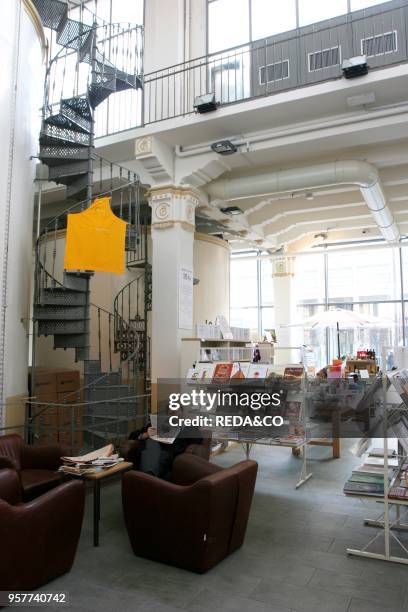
98	460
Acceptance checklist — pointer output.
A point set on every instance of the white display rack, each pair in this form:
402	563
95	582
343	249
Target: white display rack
247	441
389	525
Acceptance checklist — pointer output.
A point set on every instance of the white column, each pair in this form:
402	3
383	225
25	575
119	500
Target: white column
172	257
285	309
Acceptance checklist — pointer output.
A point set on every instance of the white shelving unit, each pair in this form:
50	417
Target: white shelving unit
194	350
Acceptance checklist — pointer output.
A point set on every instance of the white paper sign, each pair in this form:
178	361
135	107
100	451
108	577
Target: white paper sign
185	298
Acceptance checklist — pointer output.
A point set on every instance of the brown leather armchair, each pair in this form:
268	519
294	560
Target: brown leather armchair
194	521
37	465
39	539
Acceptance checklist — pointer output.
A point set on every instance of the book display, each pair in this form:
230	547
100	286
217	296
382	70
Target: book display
294	432
383	476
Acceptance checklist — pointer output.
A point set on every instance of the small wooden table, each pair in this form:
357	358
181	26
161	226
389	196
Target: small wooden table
96	478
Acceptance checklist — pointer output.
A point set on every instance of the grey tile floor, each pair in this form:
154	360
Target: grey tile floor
294	556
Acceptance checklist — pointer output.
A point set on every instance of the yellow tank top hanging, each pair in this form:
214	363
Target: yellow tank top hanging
96	239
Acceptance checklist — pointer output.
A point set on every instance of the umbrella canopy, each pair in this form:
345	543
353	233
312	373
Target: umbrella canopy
337	317
342	317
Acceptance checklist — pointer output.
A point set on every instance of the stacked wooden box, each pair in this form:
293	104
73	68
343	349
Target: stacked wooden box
57	424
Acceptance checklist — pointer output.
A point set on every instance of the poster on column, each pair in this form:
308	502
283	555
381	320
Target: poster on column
185	298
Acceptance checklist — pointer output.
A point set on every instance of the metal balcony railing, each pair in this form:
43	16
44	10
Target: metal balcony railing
305	56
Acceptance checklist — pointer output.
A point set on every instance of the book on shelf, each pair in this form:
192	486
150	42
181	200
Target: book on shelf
379	452
257	370
222	373
364	488
240	370
293	372
379	461
371	469
398	492
205	371
370	478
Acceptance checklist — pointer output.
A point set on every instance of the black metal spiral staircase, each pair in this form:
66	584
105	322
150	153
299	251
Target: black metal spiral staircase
62	307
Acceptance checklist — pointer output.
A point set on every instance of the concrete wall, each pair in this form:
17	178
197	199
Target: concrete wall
20	99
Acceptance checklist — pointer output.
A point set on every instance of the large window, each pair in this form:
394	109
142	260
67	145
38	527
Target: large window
367	281
271	17
371	281
251	293
312	11
237	22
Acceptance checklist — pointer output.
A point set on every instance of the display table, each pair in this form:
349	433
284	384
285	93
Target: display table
247	441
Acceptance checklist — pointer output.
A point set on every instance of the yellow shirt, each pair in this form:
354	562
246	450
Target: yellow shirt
95	239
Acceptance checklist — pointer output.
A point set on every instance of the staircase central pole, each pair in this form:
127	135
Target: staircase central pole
89	192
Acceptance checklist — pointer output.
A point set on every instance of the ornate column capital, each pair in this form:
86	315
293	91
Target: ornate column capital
283	267
172	205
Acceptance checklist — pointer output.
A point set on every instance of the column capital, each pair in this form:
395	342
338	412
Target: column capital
283	267
173	205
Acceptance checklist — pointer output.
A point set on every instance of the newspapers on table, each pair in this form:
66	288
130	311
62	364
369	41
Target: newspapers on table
102	458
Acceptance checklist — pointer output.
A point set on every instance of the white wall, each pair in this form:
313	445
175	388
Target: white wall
20	99
212	268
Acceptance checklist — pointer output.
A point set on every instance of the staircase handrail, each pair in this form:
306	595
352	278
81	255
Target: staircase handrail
81	204
64	52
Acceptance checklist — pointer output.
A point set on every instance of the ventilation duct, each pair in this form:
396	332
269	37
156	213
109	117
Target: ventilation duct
352	172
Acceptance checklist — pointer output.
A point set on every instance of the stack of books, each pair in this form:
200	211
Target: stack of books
91	463
368	478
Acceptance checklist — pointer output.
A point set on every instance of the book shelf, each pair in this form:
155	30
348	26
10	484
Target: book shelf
213	350
390	520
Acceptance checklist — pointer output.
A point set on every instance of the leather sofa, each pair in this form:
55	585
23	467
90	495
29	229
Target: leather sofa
36	465
194	521
39	539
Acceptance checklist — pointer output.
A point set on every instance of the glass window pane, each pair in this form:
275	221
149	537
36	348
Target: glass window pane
361	4
268	319
315	337
245	317
272	17
364	275
312	11
266	283
309	279
243	283
228	24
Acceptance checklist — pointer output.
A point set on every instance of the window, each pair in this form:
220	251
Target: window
356	5
228	24
274	72
324	58
271	17
312	11
379	44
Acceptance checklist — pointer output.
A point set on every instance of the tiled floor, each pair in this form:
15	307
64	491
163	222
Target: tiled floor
294	556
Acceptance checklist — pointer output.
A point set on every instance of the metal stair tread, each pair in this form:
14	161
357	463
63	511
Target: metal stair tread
51	12
62	120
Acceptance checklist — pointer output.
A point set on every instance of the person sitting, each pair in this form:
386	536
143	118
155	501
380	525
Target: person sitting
156	458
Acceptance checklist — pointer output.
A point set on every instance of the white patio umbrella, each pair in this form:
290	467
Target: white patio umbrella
337	317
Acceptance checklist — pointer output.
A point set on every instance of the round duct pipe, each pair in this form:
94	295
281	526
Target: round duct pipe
349	172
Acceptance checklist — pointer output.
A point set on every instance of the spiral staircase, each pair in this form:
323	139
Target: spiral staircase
111	346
